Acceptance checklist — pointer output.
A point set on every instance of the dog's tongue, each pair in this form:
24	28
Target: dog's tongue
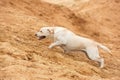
39	38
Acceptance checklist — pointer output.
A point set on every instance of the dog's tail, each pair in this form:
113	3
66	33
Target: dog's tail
103	47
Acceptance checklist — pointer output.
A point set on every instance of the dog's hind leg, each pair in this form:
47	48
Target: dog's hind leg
65	50
93	54
101	61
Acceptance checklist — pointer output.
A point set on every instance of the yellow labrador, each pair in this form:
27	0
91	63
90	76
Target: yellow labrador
69	41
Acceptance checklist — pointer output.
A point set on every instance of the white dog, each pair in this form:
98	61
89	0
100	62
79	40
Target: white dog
69	41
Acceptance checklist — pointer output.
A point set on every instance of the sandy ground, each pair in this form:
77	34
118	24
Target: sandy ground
23	57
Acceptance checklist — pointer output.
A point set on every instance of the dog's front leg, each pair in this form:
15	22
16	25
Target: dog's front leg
57	43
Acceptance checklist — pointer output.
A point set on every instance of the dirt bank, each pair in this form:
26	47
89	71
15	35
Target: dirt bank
23	57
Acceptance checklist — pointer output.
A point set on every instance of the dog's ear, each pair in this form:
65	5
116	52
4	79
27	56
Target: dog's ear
51	31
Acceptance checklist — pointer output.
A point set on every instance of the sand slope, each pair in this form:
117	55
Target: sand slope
23	57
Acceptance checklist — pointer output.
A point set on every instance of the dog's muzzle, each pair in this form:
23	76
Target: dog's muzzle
40	37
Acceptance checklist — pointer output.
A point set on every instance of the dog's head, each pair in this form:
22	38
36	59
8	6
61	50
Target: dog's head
44	33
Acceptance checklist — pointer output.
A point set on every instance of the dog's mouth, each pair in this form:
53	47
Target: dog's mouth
42	37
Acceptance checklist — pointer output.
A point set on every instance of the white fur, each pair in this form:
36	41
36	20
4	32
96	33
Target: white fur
69	41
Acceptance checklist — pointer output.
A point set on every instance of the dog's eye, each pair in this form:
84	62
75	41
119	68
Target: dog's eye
40	31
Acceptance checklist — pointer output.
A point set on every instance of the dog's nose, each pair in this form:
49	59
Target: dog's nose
35	34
